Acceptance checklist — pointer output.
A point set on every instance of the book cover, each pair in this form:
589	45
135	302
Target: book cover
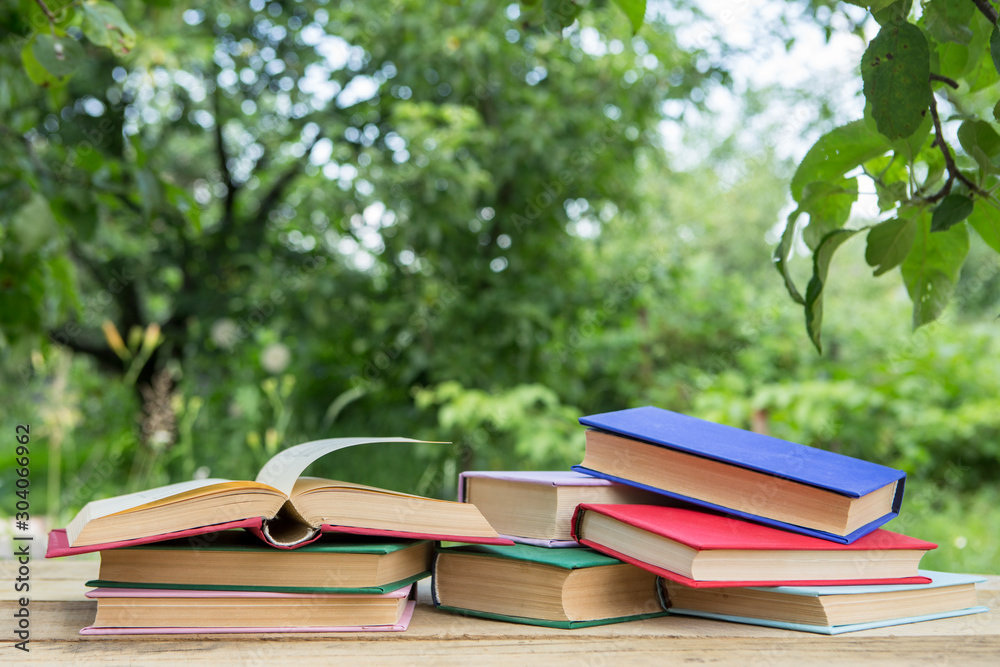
365	590
555	478
828	629
181	594
101	593
815	467
563	625
566	559
704	530
236	561
936	580
403	624
547	477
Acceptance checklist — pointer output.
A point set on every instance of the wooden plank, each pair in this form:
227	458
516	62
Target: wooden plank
58	611
572	651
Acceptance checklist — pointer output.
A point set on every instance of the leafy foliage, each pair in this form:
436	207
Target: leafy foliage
910	63
325	214
260	223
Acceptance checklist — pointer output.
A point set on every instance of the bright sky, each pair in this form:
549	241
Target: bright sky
811	64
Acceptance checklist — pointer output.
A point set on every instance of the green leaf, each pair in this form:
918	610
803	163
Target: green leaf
995	46
560	14
828	206
836	153
184	203
60	55
981	141
996	111
34	224
981	70
814	291
931	270
635	10
38	74
895	70
889	243
104	25
784	251
910	147
952	210
948	21
890	194
891	177
952	60
150	194
979	133
63	273
985	219
888	11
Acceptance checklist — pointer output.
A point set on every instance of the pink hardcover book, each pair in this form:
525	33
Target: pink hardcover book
102	593
550	478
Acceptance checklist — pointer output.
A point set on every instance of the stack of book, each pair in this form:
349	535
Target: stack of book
547	578
234	583
735	525
315	555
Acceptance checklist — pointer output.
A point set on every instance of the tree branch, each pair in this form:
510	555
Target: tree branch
45	10
105	357
944	79
987	9
129	204
228	203
277	191
949	161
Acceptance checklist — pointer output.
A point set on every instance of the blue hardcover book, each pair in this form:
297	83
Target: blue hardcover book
754	476
830	610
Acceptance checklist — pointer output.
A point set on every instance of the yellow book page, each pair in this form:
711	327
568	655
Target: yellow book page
166	495
307	484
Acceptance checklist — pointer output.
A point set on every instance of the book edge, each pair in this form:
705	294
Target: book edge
829	629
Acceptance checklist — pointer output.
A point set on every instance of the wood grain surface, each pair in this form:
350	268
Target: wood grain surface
59	609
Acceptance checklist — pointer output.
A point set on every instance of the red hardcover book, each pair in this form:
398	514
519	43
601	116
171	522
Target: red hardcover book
703	549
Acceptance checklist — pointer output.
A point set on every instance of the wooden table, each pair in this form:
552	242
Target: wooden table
59	610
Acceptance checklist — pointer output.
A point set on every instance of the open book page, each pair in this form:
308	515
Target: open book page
162	495
286	466
99	508
306	484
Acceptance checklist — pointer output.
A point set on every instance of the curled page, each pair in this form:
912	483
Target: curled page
286	466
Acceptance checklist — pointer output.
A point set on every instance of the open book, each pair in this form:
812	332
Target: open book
280	506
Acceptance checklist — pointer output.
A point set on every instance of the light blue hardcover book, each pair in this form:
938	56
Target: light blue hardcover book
947	595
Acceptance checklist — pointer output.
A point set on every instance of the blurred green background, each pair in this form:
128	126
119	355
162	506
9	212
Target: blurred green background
268	223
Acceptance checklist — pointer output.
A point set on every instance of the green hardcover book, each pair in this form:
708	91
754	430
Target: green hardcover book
236	561
556	588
